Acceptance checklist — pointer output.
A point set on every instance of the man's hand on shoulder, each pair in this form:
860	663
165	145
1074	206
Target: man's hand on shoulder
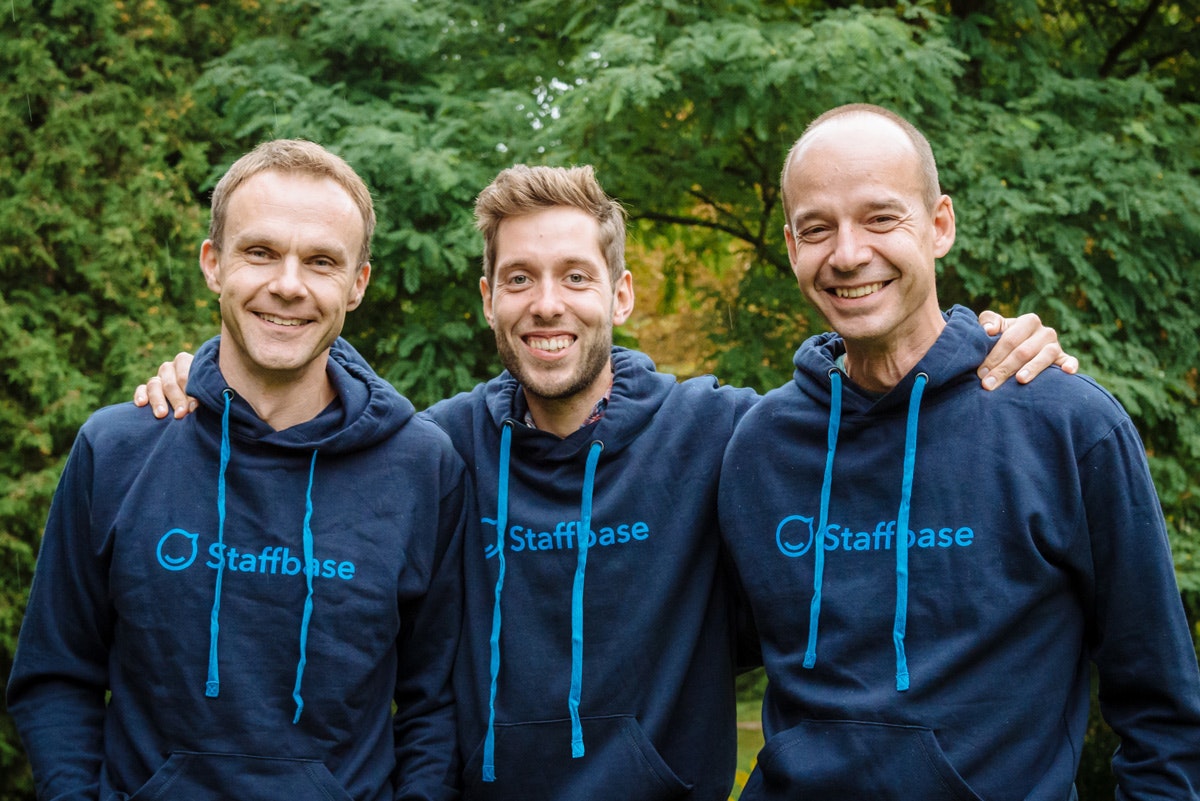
1025	349
168	389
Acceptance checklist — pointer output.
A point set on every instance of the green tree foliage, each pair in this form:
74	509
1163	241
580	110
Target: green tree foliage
1065	131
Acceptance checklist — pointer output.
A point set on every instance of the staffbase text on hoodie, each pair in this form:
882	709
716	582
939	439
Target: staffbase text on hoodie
566	536
270	561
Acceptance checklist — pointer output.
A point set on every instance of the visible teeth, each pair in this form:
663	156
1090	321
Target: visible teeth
550	343
857	291
280	320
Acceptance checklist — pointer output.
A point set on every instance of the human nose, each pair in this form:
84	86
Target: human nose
850	250
288	281
548	300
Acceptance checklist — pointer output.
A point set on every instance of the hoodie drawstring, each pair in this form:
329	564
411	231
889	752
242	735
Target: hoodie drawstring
308	599
489	741
814	610
212	687
900	622
585	529
910	458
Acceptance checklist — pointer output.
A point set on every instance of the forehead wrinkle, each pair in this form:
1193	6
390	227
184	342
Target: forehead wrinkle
280	206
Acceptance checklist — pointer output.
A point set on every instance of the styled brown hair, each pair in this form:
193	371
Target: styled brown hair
522	189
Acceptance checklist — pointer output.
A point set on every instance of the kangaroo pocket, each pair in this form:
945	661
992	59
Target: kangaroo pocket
534	762
194	776
836	759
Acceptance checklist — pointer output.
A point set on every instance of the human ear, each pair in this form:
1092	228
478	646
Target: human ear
485	292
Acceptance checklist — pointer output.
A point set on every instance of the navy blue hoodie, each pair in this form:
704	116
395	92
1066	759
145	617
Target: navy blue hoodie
172	574
614	664
953	663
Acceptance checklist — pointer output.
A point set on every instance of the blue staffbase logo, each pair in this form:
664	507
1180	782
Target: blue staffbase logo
794	536
178	549
565	536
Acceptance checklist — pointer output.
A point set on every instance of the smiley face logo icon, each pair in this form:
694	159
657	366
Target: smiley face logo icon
177	549
801	528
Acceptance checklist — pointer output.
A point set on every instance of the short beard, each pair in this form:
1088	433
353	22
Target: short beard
594	359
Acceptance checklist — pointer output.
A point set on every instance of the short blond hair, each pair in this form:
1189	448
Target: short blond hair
293	156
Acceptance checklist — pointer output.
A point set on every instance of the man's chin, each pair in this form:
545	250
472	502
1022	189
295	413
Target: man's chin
550	389
558	381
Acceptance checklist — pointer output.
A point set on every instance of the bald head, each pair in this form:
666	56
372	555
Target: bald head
857	117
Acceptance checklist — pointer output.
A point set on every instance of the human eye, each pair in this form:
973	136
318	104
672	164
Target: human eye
515	280
812	233
885	216
883	222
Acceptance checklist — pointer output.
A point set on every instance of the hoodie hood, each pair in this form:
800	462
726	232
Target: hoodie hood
952	360
371	410
638	392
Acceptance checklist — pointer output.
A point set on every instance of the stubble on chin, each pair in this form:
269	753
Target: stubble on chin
580	380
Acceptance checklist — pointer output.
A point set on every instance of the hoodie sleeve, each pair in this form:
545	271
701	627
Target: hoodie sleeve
1149	682
59	678
427	763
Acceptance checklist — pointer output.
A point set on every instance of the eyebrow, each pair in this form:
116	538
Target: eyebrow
250	238
569	261
870	206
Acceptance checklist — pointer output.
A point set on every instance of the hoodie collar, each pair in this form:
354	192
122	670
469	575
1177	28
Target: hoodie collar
371	410
638	391
952	360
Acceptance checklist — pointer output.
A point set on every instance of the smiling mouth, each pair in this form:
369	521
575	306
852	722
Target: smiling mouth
851	292
551	344
285	321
